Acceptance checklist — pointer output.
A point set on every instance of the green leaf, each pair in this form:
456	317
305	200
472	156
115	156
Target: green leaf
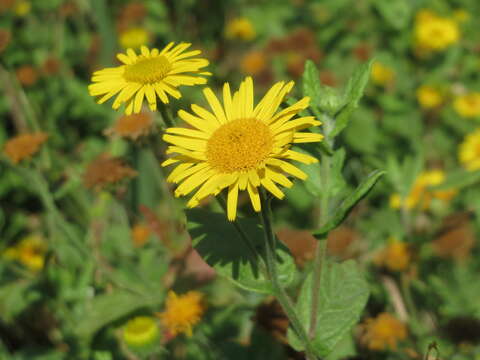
323	97
107	308
343	295
396	12
353	93
347	204
459	179
219	244
337	182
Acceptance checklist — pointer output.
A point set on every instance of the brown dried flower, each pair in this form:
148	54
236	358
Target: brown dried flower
24	146
27	75
5	37
106	170
456	239
51	66
132	126
140	234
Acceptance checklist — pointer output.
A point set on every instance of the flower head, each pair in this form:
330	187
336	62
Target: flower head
22	8
240	28
420	195
382	74
468	105
24	146
239	146
395	257
132	126
469	151
134	38
429	97
182	312
140	331
254	62
435	33
140	234
383	332
27	75
30	251
151	74
5	37
106	170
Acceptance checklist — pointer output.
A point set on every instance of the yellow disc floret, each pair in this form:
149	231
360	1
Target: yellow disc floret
240	145
147	71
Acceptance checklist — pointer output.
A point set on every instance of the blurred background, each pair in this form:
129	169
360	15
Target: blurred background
91	240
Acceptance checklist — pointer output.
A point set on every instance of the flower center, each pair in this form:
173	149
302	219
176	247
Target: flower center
239	145
147	71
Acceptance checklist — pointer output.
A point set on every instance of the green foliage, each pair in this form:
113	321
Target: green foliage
343	294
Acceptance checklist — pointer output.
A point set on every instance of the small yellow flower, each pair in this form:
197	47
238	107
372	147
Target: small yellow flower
24	146
30	252
134	38
468	105
253	63
469	151
383	332
22	8
420	196
182	312
140	234
435	33
239	146
395	257
140	331
382	74
240	28
429	97
151	74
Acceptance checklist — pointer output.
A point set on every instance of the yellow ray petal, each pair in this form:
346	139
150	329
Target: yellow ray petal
254	197
232	201
215	105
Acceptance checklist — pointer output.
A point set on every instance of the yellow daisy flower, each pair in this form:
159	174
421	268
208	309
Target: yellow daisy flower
469	151
429	97
382	332
468	105
182	312
152	73
239	146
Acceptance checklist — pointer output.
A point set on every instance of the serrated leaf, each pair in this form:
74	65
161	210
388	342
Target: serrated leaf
343	295
353	93
349	202
220	245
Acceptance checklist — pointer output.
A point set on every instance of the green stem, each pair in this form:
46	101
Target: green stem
166	115
317	276
279	292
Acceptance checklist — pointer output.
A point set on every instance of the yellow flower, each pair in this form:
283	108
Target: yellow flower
22	8
140	331
239	146
420	196
469	151
468	105
435	33
182	312
382	74
24	146
152	73
30	251
134	38
395	257
240	28
429	97
383	332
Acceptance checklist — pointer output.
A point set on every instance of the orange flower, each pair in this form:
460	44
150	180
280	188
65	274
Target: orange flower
182	312
24	146
27	75
132	126
105	170
140	234
51	66
253	63
382	332
395	257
